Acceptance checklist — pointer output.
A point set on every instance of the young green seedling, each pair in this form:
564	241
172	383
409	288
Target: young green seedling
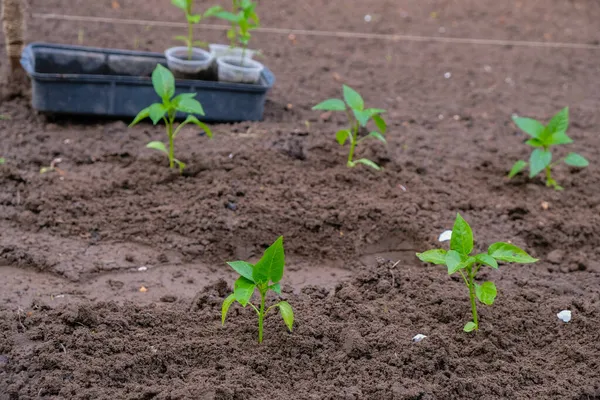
191	18
358	116
243	19
542	139
2	160
459	259
164	85
265	275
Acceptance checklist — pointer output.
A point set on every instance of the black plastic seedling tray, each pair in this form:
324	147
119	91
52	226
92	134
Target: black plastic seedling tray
117	83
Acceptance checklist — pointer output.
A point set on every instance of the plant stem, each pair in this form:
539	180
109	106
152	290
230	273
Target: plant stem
472	296
548	176
353	144
171	146
190	40
261	316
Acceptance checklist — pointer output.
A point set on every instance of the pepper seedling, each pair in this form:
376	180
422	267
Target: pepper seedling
542	139
358	116
2	160
264	276
459	259
164	85
243	19
191	18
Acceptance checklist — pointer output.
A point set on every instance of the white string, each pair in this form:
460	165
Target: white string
354	35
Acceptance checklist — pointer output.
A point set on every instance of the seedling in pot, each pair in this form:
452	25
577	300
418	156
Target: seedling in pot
542	139
243	19
191	18
164	85
264	276
459	259
358	117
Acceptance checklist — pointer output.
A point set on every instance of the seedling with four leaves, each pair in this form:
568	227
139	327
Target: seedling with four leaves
164	85
358	117
459	259
542	139
264	276
243	19
191	18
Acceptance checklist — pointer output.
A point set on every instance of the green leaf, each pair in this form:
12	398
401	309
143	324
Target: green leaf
470	326
534	142
558	124
576	160
190	106
194	19
180	164
182	39
510	253
243	290
380	122
287	314
378	136
212	11
486	292
353	99
276	287
529	126
243	268
226	304
177	99
331	105
270	267
342	135
462	236
157	111
362	116
518	167
559	138
180	4
160	146
539	160
226	15
163	82
368	163
436	256
145	113
487	260
455	261
201	125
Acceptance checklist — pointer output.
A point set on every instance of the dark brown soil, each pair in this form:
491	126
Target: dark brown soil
77	246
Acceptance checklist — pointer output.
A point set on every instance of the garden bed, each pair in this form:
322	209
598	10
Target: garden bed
71	243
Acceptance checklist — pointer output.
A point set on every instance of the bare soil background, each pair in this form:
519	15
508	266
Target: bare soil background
72	244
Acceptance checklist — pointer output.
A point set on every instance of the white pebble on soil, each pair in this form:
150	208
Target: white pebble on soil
418	338
445	236
564	315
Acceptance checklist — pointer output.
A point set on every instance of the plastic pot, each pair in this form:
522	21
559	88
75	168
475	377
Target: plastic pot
199	67
222	50
237	70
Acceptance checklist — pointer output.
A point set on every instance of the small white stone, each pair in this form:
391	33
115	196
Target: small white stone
142	268
445	236
487	68
456	117
564	315
441	117
447	75
231	155
367	18
418	338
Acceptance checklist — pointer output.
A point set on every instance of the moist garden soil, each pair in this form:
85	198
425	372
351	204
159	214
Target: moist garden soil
113	268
